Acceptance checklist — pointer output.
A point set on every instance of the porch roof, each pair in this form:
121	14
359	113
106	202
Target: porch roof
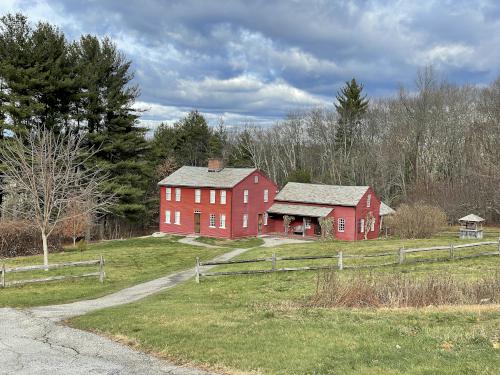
299	210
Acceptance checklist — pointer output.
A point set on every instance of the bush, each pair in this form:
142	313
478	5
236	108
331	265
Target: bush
19	238
364	290
419	220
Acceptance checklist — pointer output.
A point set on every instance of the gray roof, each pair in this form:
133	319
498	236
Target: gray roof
201	177
472	217
299	210
322	194
385	209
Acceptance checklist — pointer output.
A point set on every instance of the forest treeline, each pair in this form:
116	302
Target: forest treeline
435	142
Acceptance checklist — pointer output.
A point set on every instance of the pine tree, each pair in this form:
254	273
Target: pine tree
106	114
351	108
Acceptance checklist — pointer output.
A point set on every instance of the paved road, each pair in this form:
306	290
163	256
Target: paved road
34	342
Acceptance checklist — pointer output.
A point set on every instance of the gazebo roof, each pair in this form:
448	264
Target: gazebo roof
472	218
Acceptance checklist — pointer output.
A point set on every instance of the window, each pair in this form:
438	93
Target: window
177	217
266	195
167	217
256	179
212	221
197	196
177	194
372	226
245	220
245	196
368	200
168	194
222	197
212	196
222	221
361	225
307	222
341	224
265	218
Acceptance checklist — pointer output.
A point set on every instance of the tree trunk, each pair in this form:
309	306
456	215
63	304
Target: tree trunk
45	251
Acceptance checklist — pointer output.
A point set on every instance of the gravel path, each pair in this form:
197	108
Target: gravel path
33	342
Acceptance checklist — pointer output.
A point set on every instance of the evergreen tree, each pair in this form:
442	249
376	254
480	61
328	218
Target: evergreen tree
106	114
351	108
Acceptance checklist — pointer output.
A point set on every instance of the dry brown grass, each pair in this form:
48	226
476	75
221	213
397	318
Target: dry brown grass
396	291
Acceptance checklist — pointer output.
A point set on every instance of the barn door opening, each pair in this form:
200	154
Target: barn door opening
197	221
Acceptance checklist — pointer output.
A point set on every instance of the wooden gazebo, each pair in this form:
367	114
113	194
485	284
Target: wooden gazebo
471	226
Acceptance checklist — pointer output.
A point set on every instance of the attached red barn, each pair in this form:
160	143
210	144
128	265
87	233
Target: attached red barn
350	207
216	201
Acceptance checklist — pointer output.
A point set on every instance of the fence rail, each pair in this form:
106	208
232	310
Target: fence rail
400	257
100	273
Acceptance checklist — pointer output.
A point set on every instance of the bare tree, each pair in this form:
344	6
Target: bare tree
51	173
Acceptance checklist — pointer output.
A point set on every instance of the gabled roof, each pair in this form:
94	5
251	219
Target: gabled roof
472	217
322	194
299	210
201	177
385	209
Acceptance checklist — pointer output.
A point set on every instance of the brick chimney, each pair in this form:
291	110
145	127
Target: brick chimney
215	165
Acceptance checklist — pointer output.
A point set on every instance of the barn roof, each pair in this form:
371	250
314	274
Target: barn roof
201	177
472	217
385	209
299	210
322	194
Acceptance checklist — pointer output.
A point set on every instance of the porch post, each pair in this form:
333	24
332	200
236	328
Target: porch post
303	226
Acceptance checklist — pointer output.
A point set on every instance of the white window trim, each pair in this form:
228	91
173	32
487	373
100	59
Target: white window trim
222	221
177	218
168	194
178	194
256	179
213	196
265	218
245	196
339	220
368	200
307	222
168	218
266	195
245	220
372	227
212	216
197	196
361	225
223	195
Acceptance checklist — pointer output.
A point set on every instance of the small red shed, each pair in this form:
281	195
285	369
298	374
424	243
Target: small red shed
216	201
353	209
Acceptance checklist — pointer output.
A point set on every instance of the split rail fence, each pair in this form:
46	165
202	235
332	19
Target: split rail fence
399	257
101	274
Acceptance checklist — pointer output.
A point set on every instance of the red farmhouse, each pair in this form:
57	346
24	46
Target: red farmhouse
355	210
216	201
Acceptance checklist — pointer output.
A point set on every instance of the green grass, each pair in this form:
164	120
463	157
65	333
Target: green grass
260	324
128	262
243	243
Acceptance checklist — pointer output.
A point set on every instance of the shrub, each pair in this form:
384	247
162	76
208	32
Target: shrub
419	220
362	290
19	238
81	245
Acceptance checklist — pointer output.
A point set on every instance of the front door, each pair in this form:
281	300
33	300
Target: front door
197	221
259	223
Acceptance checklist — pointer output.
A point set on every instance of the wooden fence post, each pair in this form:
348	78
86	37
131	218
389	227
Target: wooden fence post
401	255
198	270
340	261
273	260
102	274
3	275
452	251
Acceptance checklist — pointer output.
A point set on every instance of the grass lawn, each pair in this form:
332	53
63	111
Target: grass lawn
128	262
259	323
243	243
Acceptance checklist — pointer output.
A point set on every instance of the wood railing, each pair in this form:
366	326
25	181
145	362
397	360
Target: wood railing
399	257
86	263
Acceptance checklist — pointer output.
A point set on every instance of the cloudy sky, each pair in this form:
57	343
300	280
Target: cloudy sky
253	61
